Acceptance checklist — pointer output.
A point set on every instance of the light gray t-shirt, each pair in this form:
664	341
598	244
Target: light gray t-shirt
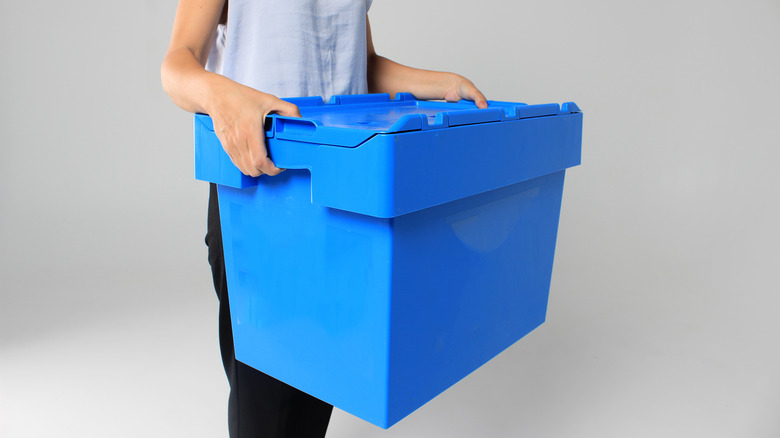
292	48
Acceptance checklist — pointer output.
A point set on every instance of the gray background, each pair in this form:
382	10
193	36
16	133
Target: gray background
663	316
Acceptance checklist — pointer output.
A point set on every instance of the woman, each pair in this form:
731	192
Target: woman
232	63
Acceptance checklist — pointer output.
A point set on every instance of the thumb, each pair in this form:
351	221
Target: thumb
473	94
284	108
481	101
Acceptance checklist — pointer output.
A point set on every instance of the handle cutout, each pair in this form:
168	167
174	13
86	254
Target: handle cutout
294	126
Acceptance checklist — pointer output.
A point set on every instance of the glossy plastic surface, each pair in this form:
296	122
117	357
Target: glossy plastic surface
411	155
374	276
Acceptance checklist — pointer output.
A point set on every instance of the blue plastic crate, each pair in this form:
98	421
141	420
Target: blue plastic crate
408	243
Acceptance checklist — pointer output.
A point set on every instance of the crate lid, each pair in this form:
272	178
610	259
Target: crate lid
350	120
413	154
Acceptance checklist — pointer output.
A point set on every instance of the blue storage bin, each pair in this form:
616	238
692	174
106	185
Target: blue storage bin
408	243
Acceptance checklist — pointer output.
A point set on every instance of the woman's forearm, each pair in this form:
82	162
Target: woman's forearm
386	76
188	84
237	111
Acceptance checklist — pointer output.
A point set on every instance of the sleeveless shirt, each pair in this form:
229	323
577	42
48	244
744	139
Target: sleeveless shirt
292	48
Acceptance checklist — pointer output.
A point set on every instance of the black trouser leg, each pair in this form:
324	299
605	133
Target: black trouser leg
259	405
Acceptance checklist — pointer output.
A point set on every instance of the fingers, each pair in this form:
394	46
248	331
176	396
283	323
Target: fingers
242	134
480	100
257	159
258	153
461	88
470	92
246	148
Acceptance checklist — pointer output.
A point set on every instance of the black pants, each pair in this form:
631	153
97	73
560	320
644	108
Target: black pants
259	405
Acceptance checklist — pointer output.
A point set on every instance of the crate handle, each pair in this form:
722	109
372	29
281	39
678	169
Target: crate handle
293	128
312	131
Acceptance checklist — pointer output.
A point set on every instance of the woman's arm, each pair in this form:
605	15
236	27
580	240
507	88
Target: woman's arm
386	76
238	111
